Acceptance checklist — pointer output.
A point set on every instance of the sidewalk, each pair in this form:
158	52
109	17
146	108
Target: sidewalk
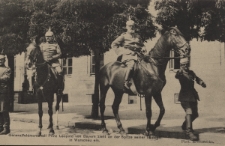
209	128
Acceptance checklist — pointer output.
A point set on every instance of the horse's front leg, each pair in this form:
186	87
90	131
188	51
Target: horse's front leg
158	99
50	112
58	100
115	107
149	128
40	113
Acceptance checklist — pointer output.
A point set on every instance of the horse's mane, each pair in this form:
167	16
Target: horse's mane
161	41
35	52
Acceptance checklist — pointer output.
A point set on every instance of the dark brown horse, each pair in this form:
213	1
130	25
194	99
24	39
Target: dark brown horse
45	86
149	78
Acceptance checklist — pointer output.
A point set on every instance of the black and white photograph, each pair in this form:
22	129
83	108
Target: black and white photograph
112	72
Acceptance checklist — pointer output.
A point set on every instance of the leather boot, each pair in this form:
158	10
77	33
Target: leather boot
184	123
127	83
189	130
5	131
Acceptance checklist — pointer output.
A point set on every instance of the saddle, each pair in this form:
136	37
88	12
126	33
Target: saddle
143	63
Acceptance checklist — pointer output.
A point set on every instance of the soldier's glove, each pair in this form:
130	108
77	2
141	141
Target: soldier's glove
203	85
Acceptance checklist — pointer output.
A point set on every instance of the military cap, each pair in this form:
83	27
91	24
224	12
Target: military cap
49	32
184	60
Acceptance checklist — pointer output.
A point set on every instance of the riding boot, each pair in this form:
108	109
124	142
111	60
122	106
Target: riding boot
127	83
60	85
189	131
184	123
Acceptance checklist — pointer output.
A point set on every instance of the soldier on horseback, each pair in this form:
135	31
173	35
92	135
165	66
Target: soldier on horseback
31	69
51	53
127	45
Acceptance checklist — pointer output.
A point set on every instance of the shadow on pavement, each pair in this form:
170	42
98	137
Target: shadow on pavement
87	125
99	118
212	130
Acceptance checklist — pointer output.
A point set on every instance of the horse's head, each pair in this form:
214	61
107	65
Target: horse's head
33	54
178	42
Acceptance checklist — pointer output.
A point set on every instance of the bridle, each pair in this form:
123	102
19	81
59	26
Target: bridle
41	86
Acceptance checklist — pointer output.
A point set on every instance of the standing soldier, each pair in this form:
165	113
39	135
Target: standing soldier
4	97
51	53
127	44
188	96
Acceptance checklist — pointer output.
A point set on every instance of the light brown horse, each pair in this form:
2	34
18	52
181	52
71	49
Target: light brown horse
149	78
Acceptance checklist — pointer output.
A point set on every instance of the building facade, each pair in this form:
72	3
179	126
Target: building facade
207	61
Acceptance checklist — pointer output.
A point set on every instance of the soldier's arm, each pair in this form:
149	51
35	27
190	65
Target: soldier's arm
117	42
178	74
6	75
58	54
199	80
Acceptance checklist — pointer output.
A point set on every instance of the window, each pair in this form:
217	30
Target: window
174	63
67	66
92	62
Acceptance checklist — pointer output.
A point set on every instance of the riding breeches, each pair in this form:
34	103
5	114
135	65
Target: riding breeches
129	59
58	69
190	108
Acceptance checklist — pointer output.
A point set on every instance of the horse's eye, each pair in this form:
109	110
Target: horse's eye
173	32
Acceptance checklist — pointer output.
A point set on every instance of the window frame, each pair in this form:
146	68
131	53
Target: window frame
67	66
174	62
92	62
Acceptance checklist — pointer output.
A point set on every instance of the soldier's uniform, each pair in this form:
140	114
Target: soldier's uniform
126	45
4	97
51	53
188	96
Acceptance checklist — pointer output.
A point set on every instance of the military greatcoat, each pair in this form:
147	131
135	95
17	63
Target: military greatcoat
187	91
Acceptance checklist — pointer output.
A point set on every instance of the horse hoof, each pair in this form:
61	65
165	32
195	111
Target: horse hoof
39	133
152	136
51	132
123	133
105	132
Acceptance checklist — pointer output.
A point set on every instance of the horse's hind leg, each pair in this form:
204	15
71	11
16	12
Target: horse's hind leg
103	89
115	108
158	99
58	100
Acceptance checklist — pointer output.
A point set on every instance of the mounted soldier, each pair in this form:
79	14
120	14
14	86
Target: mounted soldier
4	97
51	53
127	45
31	69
